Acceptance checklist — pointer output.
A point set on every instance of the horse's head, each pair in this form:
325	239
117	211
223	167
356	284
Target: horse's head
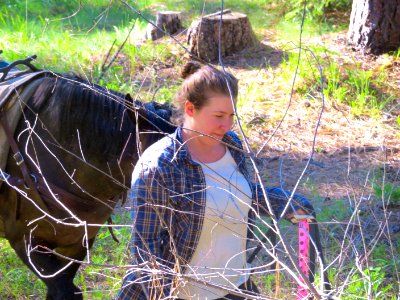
153	119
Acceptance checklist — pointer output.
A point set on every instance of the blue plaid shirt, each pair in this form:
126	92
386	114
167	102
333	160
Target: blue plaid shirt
169	200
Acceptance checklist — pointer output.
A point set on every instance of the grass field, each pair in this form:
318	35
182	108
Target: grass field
74	36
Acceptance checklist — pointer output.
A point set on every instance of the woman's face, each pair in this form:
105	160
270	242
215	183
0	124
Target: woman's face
214	119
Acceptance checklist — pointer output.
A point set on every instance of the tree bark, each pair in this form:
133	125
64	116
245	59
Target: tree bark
236	35
375	26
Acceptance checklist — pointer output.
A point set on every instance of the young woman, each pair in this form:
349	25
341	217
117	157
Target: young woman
193	201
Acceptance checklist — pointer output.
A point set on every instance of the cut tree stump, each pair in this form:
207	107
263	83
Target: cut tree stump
168	21
236	35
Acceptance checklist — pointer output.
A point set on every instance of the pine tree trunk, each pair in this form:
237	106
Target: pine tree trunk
375	25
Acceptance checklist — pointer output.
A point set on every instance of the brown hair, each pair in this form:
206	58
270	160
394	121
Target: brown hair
200	81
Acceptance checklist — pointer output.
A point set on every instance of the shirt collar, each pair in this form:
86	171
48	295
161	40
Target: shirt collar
180	150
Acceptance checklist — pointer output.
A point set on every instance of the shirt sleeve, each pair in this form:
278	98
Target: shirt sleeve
149	211
278	199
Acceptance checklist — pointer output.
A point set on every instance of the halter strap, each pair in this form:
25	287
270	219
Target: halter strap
19	159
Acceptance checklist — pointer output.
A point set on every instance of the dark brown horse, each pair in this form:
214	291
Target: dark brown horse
79	146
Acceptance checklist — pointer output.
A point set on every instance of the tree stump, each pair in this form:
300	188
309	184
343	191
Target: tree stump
375	25
168	21
236	35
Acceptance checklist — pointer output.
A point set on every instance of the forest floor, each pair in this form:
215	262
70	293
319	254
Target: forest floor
350	153
354	156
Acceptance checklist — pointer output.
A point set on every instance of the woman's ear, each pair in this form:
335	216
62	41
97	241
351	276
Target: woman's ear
189	108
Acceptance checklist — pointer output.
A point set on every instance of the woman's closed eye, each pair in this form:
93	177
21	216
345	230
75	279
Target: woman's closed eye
221	116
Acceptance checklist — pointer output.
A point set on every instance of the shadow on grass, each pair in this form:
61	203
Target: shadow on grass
259	56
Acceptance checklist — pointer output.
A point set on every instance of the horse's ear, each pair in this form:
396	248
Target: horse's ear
128	98
130	107
135	109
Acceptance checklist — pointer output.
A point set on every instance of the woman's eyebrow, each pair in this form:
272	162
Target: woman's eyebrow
221	111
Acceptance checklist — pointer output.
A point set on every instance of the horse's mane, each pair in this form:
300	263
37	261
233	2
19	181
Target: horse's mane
75	105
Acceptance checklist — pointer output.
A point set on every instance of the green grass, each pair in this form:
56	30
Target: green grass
68	51
370	283
290	30
69	38
69	15
95	281
387	192
78	43
315	10
366	92
16	280
365	97
334	87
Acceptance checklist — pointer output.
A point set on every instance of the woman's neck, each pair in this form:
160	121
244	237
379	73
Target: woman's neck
201	149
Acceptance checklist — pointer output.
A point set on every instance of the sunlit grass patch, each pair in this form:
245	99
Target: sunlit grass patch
101	279
16	280
59	51
95	280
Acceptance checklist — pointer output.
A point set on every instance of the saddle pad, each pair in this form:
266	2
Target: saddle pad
14	80
13	93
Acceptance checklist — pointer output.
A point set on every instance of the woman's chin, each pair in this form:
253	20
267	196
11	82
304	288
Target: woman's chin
216	139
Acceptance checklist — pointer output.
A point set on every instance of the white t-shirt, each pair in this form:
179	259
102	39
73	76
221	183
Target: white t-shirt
220	257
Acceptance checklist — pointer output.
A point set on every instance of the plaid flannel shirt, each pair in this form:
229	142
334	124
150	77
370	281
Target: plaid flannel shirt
169	200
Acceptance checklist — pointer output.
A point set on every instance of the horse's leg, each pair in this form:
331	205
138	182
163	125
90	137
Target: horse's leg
17	233
78	252
60	286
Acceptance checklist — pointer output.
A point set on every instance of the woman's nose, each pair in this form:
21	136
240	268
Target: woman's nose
227	124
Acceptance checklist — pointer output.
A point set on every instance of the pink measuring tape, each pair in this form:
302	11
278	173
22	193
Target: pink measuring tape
304	239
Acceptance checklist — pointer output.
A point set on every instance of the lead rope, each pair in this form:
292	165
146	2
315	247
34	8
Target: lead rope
304	240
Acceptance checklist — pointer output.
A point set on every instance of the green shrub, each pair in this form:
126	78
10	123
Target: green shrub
315	9
387	192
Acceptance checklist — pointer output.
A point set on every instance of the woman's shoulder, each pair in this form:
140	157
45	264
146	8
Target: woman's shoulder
157	162
160	153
